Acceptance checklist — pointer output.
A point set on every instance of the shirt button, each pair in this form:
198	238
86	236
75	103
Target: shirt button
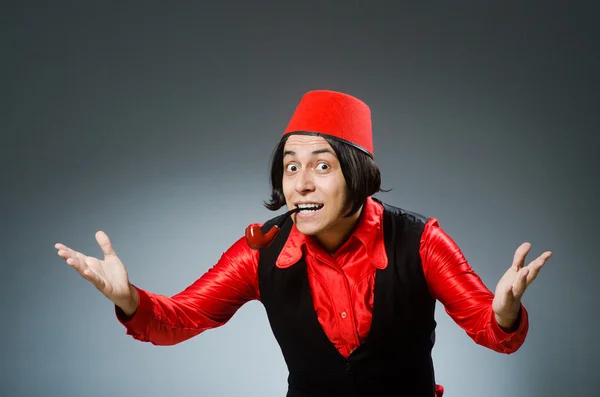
343	314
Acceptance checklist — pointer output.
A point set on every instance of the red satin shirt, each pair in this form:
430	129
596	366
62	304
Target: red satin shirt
341	286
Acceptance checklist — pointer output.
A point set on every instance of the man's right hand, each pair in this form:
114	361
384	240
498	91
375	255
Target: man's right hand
109	276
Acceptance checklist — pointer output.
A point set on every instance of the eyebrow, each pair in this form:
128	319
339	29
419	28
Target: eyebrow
315	152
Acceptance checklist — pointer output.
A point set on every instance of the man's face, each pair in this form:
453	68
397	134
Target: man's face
312	177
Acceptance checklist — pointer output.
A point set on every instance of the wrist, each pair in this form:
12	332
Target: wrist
130	304
508	323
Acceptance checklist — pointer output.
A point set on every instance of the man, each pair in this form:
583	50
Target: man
349	283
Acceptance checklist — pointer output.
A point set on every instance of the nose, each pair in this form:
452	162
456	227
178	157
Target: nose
304	181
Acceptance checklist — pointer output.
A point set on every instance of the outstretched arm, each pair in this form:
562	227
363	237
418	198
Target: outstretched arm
499	322
208	303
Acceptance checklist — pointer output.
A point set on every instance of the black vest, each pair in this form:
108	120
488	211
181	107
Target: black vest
394	360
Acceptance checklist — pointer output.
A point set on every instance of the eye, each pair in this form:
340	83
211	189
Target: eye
291	168
322	166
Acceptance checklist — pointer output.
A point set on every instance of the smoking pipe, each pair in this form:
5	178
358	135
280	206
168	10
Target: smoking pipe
255	237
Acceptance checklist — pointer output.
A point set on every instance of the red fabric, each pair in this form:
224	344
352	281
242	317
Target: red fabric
336	114
341	286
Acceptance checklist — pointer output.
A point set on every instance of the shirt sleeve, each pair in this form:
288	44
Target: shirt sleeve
208	303
465	298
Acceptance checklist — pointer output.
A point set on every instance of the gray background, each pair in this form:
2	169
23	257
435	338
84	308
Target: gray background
155	121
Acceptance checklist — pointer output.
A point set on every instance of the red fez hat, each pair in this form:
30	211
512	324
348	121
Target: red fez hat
334	114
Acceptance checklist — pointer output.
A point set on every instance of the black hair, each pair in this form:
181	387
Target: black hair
361	174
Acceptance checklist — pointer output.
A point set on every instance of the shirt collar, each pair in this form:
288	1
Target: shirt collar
368	231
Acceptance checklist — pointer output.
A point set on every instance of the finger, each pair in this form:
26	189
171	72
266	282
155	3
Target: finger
77	263
63	254
536	265
63	250
60	246
520	255
105	244
80	256
68	253
520	283
91	273
93	278
80	262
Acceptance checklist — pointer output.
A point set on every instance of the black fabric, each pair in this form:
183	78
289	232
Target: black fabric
394	360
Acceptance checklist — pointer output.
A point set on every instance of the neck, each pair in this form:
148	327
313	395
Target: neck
334	237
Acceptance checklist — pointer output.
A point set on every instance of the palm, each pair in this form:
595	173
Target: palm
113	274
505	302
109	275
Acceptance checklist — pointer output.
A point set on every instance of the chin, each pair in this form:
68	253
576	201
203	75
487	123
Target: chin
307	230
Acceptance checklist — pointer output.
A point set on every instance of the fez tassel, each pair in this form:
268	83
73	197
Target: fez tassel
255	237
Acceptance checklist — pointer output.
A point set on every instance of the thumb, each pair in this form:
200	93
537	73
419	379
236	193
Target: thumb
509	294
507	298
105	244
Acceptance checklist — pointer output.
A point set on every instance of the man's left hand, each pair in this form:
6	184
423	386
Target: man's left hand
512	285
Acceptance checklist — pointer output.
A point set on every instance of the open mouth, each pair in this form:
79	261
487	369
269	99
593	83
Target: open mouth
309	208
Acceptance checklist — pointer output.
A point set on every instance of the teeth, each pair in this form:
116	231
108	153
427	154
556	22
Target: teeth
309	206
